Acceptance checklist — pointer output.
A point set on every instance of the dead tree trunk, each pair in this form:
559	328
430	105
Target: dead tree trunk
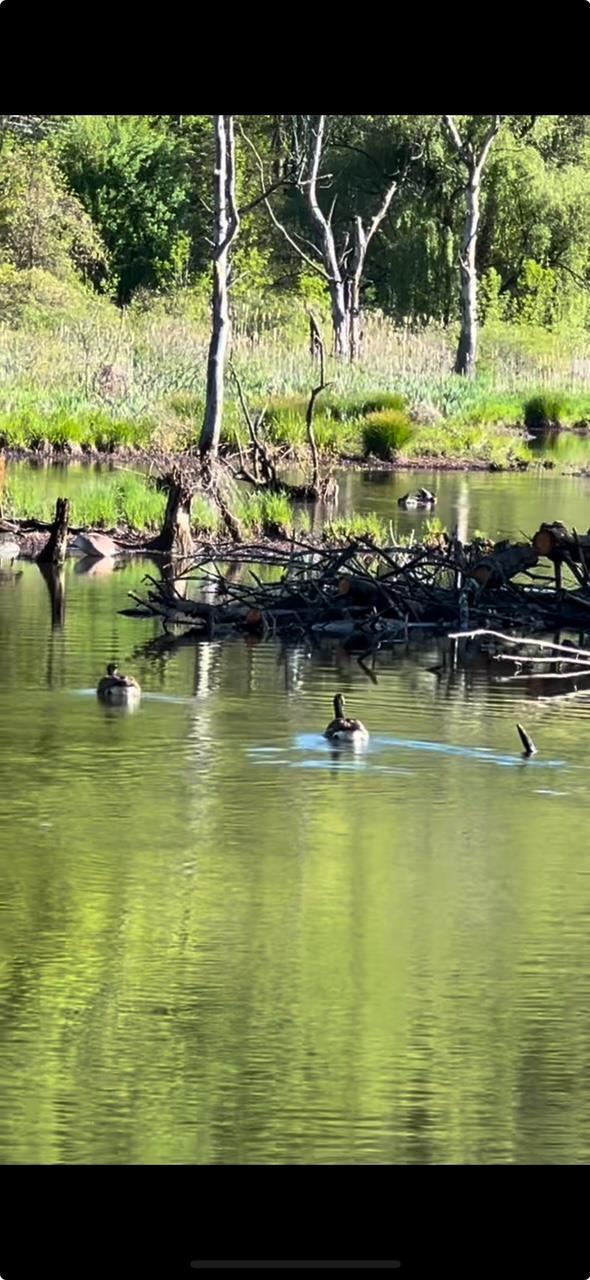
175	536
361	240
343	281
474	162
315	392
264	474
227	222
55	549
355	318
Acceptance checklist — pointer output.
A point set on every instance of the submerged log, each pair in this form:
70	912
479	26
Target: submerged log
504	563
55	549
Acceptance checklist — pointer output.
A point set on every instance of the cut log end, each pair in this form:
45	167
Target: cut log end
529	748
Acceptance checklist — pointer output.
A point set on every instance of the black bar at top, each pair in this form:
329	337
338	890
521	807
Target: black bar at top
301	1266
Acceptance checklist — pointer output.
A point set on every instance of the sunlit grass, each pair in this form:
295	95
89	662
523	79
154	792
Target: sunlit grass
97	501
260	512
358	526
49	386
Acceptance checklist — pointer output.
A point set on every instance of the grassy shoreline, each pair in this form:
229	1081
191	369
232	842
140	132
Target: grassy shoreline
124	384
109	458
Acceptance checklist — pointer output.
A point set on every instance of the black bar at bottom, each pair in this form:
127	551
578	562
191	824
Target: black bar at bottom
300	1266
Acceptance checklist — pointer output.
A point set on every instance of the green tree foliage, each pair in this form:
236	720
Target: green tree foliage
42	223
536	219
126	201
143	180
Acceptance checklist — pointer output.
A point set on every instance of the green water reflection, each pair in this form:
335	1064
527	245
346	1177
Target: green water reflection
218	943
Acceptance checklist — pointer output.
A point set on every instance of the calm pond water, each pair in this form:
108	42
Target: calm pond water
500	504
221	943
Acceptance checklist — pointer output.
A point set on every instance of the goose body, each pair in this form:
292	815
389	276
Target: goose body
115	687
343	729
422	498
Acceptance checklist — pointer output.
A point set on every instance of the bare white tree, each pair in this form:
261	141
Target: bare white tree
341	266
474	161
227	221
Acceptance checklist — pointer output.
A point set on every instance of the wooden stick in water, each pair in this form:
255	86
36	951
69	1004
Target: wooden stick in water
516	640
543	662
527	742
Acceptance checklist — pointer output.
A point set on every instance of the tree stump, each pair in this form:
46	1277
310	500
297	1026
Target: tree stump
175	536
55	549
111	382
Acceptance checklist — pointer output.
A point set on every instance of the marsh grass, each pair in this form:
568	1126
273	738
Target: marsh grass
113	499
545	410
386	433
357	526
261	512
30	425
481	444
49	377
97	501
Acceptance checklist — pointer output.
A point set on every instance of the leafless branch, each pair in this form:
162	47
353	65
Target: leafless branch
311	406
279	225
316	211
454	134
379	216
488	140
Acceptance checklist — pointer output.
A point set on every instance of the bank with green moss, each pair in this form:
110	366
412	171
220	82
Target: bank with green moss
363	428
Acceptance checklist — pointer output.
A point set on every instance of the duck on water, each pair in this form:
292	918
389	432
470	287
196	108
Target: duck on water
422	498
115	687
343	729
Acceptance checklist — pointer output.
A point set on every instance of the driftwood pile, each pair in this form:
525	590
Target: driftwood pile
371	597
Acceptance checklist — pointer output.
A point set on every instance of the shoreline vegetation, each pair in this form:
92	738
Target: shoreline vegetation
560	459
128	507
176	285
130	384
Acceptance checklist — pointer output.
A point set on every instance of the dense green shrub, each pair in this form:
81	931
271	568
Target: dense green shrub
385	433
545	410
36	300
140	178
42	223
